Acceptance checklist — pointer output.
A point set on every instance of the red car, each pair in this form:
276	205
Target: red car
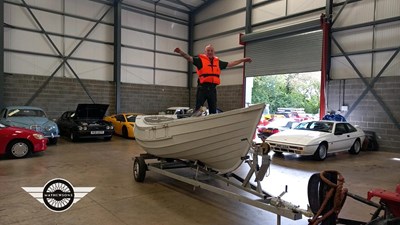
18	142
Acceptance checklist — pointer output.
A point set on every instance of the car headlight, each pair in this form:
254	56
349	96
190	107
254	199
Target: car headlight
82	128
49	127
38	136
109	127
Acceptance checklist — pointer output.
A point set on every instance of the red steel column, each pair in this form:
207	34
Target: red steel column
324	62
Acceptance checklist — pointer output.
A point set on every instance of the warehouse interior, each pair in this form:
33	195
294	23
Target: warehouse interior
56	54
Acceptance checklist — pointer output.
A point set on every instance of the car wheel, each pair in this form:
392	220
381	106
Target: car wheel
139	169
356	148
73	137
278	153
19	148
124	132
53	141
321	152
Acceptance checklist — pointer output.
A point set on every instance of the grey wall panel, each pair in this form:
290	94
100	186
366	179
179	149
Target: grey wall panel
163	10
172	29
79	28
137	39
89	9
137	57
170	78
355	13
49	4
341	68
387	35
353	40
137	20
16	63
220	25
220	43
369	115
231	55
273	10
296	6
22	40
218	8
294	54
91	70
143	37
19	16
387	9
168	44
136	75
232	77
381	58
166	61
89	50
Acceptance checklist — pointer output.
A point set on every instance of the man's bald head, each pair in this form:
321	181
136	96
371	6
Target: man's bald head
209	51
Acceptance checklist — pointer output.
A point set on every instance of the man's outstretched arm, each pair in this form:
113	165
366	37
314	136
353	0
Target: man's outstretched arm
184	55
237	62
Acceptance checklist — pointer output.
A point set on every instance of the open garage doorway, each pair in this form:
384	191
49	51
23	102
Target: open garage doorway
286	93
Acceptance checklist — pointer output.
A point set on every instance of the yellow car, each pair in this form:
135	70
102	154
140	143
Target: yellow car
123	123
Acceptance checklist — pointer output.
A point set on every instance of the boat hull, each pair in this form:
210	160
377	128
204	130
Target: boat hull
218	140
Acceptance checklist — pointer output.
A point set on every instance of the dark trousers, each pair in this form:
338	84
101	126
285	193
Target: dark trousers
207	92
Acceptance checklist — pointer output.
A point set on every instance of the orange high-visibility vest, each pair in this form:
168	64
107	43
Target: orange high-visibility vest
210	71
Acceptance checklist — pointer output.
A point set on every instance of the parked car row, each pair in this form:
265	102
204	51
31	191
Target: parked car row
26	129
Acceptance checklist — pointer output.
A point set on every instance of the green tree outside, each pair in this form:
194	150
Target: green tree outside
289	91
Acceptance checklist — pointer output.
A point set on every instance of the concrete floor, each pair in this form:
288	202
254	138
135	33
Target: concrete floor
118	199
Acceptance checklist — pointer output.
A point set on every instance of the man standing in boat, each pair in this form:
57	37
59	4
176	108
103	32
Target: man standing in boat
208	68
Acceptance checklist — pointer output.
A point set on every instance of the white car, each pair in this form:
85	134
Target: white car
318	138
176	110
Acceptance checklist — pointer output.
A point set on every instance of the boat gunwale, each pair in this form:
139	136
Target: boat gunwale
182	121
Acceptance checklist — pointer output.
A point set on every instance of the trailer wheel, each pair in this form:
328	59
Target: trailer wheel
139	169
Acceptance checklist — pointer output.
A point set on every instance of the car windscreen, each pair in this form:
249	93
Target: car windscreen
170	112
131	118
321	126
25	113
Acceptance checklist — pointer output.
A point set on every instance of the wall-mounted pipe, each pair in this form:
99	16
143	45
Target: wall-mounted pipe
117	54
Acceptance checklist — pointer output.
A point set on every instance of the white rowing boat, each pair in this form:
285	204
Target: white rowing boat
220	141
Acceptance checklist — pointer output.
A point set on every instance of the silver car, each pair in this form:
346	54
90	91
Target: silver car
33	118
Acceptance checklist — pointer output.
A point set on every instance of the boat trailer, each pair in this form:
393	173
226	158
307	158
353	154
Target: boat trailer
262	200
